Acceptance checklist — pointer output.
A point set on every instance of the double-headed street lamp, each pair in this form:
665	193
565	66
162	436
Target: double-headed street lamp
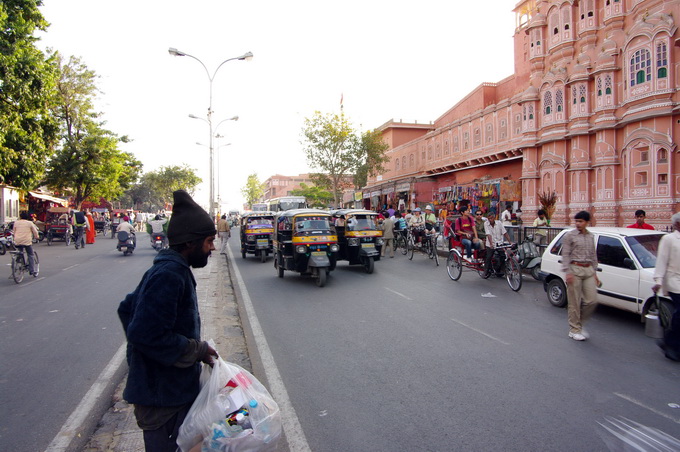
245	56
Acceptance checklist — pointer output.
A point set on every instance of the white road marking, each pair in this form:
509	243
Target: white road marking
480	332
70	428
400	294
68	268
653	410
291	424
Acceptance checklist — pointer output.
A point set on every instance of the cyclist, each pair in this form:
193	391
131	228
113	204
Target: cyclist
80	222
24	232
495	233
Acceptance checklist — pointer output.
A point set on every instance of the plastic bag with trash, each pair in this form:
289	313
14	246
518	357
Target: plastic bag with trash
233	412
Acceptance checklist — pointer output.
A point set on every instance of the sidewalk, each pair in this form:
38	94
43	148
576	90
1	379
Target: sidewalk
117	431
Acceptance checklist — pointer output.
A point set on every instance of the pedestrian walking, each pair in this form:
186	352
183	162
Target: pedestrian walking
163	328
388	236
224	231
579	263
667	278
90	232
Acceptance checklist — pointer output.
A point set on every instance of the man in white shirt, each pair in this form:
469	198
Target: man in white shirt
495	235
506	219
667	276
24	232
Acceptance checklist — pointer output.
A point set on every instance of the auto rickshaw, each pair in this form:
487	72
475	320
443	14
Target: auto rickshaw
305	242
359	238
257	231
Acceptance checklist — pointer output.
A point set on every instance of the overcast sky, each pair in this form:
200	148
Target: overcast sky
401	60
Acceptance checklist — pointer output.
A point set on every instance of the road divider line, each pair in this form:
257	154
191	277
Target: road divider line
69	267
652	409
297	441
74	422
480	332
400	294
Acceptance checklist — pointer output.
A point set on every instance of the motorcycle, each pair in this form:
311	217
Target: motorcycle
126	243
6	241
159	241
529	257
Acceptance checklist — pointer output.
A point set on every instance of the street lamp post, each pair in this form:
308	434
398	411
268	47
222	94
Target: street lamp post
246	56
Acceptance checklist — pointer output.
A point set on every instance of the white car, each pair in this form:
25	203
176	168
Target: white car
626	260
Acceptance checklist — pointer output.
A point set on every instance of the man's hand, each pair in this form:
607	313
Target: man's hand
209	356
656	287
569	278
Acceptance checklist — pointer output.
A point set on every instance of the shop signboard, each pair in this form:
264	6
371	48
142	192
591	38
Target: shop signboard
406	186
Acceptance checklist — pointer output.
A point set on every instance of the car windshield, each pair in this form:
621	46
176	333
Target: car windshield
311	223
645	248
362	223
260	221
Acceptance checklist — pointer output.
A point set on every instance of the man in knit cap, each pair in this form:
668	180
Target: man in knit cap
162	326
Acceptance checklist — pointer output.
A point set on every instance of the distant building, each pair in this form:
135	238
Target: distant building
279	185
591	112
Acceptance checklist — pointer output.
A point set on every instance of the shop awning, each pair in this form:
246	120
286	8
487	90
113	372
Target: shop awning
61	202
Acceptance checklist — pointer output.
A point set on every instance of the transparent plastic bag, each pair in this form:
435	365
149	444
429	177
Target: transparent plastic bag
229	390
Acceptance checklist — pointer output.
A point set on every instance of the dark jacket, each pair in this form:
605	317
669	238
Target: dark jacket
158	318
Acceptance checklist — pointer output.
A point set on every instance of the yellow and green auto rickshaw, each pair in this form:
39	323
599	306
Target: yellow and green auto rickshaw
257	234
305	242
359	238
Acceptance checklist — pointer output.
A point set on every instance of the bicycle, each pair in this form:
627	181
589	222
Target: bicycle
401	241
504	263
20	264
428	246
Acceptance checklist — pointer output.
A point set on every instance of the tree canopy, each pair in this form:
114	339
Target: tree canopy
28	130
88	164
315	195
253	190
334	147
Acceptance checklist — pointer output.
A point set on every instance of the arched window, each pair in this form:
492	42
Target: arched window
403	162
640	67
573	94
559	100
411	160
661	60
599	86
608	84
396	164
531	112
582	93
662	156
547	102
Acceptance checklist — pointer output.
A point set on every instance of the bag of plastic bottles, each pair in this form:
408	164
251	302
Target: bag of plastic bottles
233	412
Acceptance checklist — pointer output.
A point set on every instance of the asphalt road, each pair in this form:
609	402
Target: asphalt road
59	331
407	360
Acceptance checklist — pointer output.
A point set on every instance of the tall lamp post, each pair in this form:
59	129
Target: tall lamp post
246	56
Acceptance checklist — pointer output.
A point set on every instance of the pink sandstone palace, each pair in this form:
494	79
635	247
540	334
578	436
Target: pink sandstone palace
591	113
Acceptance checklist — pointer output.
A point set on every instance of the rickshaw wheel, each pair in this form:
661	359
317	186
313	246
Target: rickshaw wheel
3	250
535	272
263	256
67	238
411	245
369	263
454	266
243	253
49	239
513	274
321	277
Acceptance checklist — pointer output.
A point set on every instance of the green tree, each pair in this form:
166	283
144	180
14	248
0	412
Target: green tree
253	190
372	158
28	130
154	189
334	147
89	163
315	195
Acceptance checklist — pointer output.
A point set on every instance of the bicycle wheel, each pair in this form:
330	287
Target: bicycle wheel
513	274
18	266
36	264
411	248
454	266
435	254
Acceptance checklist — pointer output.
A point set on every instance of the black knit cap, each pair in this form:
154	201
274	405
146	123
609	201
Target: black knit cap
189	221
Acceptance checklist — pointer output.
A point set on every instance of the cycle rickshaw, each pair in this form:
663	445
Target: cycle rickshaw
58	226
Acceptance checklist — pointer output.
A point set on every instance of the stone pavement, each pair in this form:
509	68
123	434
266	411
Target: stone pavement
117	431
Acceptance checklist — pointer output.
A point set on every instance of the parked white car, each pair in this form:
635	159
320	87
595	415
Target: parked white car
626	260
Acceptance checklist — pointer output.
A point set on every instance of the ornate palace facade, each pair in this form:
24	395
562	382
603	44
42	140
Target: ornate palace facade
591	113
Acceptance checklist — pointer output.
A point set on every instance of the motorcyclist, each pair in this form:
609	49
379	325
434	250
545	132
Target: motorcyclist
157	226
127	227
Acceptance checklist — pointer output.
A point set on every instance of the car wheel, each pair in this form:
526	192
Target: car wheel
557	293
